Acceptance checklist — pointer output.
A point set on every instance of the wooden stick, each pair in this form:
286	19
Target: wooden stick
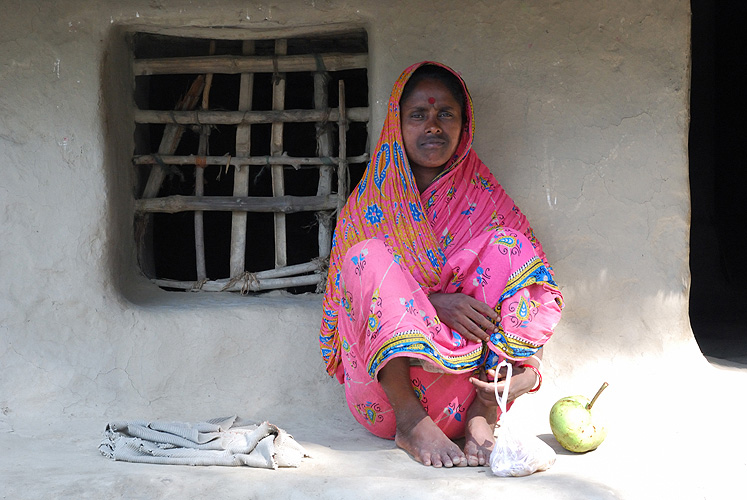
277	204
297	273
202	150
307	267
232	33
342	169
241	286
247	117
324	149
172	135
295	162
199	192
279	63
208	81
241	174
276	149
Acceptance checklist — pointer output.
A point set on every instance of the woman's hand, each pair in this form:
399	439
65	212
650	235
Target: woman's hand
465	314
522	381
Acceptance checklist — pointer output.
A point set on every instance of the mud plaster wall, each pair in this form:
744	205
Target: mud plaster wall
581	114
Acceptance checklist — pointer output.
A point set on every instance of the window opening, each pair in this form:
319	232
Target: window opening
244	152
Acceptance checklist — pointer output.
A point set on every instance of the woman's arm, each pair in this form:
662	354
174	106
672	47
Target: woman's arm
469	317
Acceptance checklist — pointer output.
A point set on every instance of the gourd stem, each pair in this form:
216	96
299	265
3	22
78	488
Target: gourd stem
591	403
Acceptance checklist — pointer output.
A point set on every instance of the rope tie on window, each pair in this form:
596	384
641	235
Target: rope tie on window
257	176
322	263
169	170
249	279
248	282
322	266
159	161
320	67
324	217
324	123
173	117
197	285
323	127
296	166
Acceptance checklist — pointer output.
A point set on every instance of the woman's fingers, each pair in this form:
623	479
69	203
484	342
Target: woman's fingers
484	310
482	320
474	320
472	332
485	391
471	318
521	383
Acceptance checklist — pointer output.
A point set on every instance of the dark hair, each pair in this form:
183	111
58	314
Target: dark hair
438	73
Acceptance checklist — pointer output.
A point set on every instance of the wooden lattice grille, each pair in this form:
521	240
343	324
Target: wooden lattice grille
163	155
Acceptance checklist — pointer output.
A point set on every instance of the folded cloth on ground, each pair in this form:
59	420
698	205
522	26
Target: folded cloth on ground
220	441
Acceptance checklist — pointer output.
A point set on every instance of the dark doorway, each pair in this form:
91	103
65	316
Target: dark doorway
718	178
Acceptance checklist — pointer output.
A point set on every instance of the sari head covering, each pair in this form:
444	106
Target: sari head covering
419	229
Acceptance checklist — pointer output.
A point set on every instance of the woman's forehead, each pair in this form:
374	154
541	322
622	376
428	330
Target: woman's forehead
430	90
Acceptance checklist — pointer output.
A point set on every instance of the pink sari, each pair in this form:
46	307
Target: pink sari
393	246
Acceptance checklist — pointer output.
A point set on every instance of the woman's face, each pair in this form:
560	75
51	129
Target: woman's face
431	120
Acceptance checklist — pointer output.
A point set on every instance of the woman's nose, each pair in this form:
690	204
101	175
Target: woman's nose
432	124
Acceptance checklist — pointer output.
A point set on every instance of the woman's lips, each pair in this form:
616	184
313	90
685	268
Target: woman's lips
433	143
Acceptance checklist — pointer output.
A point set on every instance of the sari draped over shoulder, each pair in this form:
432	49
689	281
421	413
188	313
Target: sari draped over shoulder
393	246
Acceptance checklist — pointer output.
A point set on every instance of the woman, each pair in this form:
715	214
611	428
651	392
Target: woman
435	277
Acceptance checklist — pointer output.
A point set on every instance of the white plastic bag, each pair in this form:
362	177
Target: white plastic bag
515	453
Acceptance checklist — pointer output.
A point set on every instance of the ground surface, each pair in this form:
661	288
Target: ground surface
668	446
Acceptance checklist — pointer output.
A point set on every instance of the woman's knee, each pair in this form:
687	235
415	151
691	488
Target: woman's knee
372	248
509	241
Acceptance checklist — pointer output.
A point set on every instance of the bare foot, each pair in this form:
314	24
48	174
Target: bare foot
428	444
478	434
417	434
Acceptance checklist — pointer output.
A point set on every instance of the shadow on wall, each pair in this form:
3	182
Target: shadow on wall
116	91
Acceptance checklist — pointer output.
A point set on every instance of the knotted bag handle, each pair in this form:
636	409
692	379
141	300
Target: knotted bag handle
503	399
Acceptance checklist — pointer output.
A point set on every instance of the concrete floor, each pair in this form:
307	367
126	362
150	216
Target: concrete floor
663	443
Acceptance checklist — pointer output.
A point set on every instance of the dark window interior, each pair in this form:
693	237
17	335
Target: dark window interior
171	237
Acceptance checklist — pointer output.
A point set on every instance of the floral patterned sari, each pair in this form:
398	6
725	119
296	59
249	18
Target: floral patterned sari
393	246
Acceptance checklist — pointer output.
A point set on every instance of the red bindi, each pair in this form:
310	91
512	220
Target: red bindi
431	100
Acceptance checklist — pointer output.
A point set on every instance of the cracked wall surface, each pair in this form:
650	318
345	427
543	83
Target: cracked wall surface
581	114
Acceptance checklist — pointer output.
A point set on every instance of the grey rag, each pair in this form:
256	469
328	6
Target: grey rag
220	441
